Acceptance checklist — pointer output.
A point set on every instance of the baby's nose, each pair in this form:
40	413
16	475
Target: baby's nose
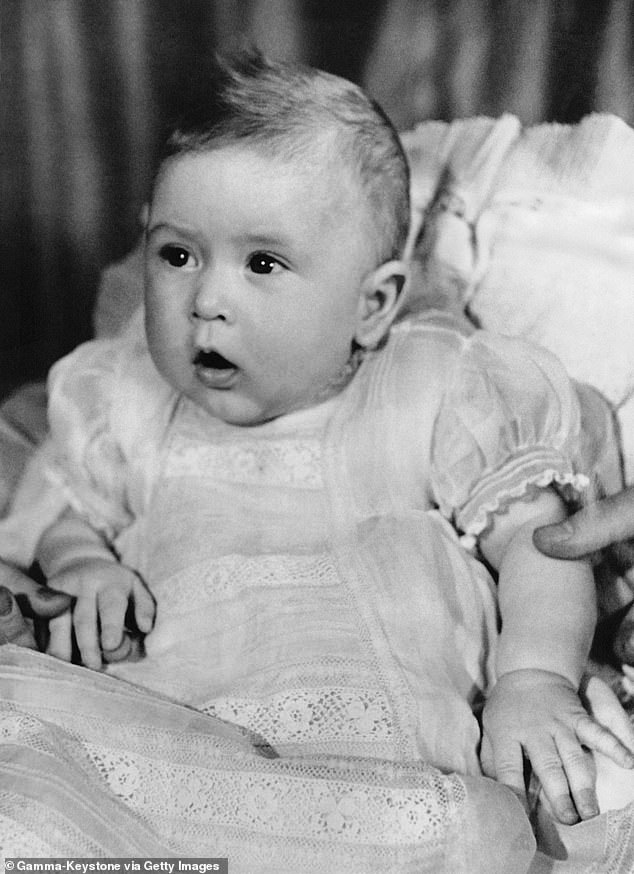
211	301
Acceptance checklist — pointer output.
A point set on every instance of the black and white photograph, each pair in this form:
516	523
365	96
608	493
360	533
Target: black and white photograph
317	436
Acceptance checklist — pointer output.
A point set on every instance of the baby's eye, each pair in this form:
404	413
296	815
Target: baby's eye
176	256
263	264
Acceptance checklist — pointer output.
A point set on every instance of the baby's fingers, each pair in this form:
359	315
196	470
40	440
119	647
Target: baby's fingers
144	606
504	764
86	633
120	653
580	773
60	641
548	766
600	739
112	608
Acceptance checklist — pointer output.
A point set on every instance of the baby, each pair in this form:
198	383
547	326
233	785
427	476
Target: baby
285	470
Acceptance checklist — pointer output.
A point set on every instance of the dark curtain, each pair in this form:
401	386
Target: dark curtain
87	86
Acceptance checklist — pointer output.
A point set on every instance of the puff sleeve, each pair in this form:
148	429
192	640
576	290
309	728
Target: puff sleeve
84	458
509	421
101	399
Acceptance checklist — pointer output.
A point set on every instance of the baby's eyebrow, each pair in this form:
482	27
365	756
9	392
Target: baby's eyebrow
170	228
266	238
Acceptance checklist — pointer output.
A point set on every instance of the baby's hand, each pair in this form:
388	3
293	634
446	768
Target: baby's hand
539	714
103	590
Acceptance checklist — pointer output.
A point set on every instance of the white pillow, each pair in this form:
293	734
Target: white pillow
532	231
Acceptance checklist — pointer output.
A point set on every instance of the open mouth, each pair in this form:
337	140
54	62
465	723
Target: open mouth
212	360
214	370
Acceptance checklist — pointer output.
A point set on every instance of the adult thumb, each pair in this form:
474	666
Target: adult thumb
596	526
13	626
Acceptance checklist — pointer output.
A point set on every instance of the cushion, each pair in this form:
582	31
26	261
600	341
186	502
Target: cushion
531	231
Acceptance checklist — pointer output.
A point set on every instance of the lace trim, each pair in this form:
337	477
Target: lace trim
294	803
480	519
316	715
234	573
189	785
288	462
619	841
19	727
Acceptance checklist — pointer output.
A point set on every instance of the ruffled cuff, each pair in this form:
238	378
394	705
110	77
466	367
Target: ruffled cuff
534	469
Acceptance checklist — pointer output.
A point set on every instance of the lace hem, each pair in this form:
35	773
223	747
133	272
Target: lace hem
390	805
295	802
136	775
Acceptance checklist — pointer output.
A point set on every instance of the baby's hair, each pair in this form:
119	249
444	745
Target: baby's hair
292	111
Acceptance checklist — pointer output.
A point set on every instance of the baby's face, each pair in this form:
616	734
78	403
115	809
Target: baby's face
254	267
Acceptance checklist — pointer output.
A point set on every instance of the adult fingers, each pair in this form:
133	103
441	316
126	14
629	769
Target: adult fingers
37	599
606	709
600	739
592	528
13	627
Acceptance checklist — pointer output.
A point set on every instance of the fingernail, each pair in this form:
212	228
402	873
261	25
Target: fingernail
566	812
558	533
587	805
6	602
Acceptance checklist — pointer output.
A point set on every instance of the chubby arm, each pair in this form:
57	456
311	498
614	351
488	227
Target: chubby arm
548	613
75	559
548	607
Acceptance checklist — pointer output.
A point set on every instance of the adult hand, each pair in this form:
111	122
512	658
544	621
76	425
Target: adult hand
22	596
13	625
609	522
605	525
35	600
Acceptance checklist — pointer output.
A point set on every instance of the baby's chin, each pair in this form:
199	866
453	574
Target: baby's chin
234	409
249	413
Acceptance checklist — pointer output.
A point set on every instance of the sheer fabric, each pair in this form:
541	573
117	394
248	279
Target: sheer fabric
91	766
307	587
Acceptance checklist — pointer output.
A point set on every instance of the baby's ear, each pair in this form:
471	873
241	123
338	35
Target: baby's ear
378	302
